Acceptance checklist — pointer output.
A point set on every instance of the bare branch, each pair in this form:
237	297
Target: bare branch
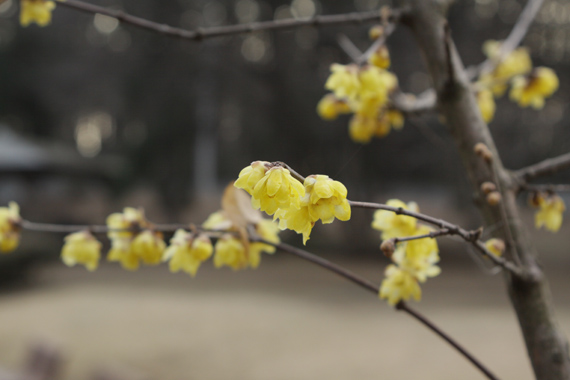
549	188
543	168
514	39
419	317
415	105
367	285
349	47
469	236
202	33
432	235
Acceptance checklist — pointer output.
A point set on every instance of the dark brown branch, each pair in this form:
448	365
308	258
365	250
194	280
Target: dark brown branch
469	236
98	229
514	39
543	168
426	322
367	285
349	47
202	33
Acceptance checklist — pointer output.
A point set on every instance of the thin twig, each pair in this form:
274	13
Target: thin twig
543	168
549	188
403	306
349	47
368	285
432	235
202	33
411	105
514	39
469	236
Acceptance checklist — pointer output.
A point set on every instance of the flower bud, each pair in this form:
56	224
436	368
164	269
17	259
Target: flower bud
388	247
494	198
483	151
487	187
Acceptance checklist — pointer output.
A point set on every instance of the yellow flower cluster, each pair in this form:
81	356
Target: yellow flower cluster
414	260
133	240
297	206
365	92
528	86
9	227
532	89
550	208
38	11
238	253
81	248
187	251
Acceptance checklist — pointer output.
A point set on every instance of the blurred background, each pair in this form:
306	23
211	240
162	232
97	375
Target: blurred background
96	116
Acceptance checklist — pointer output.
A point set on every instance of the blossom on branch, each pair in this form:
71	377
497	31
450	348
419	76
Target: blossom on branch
9	227
277	190
414	260
330	107
38	11
531	90
365	92
187	251
399	285
81	248
550	209
515	63
495	246
393	225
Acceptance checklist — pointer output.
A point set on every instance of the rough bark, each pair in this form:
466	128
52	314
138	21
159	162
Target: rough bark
546	345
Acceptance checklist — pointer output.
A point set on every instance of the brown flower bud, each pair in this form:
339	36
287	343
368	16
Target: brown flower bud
388	247
487	187
494	198
483	151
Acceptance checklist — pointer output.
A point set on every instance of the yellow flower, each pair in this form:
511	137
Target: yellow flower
121	251
187	251
516	63
418	257
532	90
230	252
388	120
361	128
149	247
217	221
399	285
495	246
81	248
330	107
393	225
327	199
268	230
324	199
380	58
343	81
550	211
277	190
38	11
9	227
486	104
251	175
125	225
376	82
297	220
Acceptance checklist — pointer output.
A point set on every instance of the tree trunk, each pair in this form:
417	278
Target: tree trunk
546	344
